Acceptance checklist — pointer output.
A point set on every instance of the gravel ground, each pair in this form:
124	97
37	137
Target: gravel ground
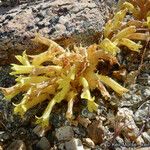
95	131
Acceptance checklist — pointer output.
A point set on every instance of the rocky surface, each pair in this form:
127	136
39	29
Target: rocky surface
56	19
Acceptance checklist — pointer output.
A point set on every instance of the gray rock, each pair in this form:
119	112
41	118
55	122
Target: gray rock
43	144
17	145
74	144
69	17
64	133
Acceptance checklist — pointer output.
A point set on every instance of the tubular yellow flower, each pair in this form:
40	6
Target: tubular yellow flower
113	84
124	33
92	106
23	59
115	23
130	44
109	47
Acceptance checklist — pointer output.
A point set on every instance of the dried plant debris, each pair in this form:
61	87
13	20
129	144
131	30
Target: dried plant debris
129	128
62	74
124	126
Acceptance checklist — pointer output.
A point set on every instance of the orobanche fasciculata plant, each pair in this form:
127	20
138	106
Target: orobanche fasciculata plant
61	74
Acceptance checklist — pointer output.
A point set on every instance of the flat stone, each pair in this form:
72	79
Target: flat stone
64	133
74	144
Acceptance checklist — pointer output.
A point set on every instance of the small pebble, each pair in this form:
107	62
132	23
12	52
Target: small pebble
88	142
120	140
74	144
83	121
64	133
39	131
43	144
87	114
17	145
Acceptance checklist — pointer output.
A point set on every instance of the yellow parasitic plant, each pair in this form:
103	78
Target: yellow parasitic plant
61	74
